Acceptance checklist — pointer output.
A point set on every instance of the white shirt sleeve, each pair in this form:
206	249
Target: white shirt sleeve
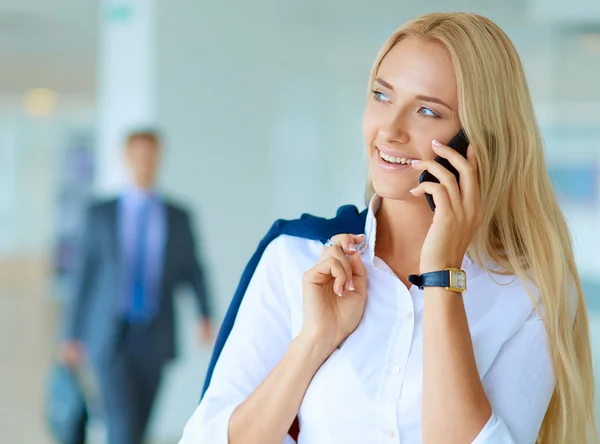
259	339
519	386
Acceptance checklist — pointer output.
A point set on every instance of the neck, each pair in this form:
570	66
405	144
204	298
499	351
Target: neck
401	230
143	185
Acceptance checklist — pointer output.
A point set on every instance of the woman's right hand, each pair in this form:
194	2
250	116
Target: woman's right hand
335	292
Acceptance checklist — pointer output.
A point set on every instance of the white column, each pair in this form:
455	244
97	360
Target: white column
126	81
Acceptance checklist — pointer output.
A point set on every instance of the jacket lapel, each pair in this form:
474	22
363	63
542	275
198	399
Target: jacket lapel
167	248
114	228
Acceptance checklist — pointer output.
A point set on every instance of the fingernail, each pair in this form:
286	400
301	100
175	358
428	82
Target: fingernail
414	161
436	143
351	247
413	190
351	286
340	293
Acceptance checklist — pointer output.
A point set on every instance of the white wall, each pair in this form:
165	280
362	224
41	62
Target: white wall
126	82
30	152
250	139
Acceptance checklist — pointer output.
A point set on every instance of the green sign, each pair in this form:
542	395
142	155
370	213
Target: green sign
119	12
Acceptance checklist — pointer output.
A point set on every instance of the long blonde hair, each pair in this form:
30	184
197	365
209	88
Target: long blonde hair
524	232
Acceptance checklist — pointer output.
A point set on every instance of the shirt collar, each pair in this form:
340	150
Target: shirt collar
135	195
368	246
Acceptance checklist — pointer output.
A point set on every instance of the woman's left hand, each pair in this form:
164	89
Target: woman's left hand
458	213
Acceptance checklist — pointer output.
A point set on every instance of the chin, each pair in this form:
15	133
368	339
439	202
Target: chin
394	188
393	193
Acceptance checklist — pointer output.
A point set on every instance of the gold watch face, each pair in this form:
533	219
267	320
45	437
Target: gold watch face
458	280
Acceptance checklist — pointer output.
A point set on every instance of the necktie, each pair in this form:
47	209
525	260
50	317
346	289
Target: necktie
139	306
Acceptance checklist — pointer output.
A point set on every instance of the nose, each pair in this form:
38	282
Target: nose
395	128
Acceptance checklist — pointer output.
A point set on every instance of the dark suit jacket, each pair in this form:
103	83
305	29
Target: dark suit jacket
94	315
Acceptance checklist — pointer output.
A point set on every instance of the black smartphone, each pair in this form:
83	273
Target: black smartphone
460	143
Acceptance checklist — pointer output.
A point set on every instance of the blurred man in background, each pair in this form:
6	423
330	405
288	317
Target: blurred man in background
136	249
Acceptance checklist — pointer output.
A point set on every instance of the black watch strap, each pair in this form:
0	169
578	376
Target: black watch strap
431	279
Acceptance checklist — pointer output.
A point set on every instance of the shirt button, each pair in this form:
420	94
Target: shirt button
390	434
409	315
396	370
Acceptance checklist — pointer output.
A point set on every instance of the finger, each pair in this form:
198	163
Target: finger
358	267
446	178
324	272
337	253
438	191
338	272
471	158
472	191
330	251
342	254
466	167
348	242
457	160
345	242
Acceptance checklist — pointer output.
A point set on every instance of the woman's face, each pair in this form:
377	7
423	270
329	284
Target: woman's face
414	101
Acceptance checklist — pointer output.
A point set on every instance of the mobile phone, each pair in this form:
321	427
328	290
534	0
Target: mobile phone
459	143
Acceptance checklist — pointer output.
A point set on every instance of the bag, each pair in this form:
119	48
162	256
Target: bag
65	409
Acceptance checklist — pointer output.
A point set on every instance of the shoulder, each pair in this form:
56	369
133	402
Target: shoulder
296	243
286	250
348	219
101	205
175	207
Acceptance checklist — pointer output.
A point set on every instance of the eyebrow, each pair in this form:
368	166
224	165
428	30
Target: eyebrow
430	99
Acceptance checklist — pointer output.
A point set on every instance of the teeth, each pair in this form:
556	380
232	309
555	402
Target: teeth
392	159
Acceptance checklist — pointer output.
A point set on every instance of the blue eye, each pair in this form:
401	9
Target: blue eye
379	96
427	112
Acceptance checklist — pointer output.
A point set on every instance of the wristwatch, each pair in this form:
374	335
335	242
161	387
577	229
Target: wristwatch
452	279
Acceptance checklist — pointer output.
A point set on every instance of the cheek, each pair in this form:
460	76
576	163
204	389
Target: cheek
369	126
444	134
426	151
424	146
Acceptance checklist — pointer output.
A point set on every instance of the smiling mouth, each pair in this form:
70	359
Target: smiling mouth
395	160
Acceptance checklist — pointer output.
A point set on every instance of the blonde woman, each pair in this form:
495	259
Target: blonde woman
354	350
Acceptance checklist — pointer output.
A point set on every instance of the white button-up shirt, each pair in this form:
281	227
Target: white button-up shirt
370	389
